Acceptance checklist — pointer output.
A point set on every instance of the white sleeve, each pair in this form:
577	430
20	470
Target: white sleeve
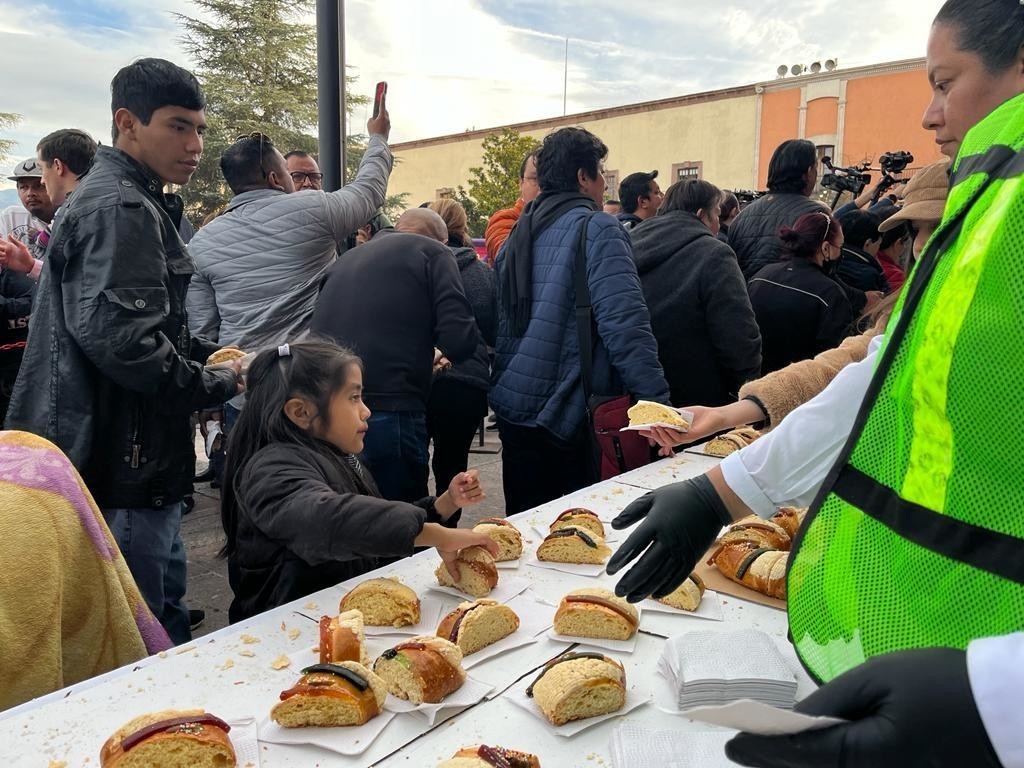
995	666
789	464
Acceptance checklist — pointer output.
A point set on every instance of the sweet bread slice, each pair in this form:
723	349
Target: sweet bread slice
576	686
645	412
505	535
687	596
477	624
763	533
383	603
423	669
331	695
573	545
730	442
177	738
477	572
596	612
483	756
578	517
342	638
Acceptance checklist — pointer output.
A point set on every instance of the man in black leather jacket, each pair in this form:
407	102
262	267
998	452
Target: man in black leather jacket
110	373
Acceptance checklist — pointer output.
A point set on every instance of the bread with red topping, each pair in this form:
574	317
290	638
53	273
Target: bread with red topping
576	686
477	624
570	544
172	738
578	517
331	695
477	573
484	756
596	612
505	535
423	669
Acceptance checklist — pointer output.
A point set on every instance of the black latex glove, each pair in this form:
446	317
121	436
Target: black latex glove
907	708
681	522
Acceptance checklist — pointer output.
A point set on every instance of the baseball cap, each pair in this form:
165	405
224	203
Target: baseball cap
27	169
924	198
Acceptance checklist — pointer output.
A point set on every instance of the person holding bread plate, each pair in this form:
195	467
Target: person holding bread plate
905	585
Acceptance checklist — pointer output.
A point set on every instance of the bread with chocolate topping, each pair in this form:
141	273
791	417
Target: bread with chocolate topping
423	669
172	738
763	533
331	695
383	603
687	596
505	535
484	756
576	686
573	545
477	573
596	612
477	624
578	517
342	638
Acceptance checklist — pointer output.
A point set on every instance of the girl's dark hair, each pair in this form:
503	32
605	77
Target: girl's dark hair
805	237
788	167
730	204
993	30
691	195
314	370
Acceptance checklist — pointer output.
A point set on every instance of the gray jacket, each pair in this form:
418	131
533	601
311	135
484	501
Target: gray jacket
260	263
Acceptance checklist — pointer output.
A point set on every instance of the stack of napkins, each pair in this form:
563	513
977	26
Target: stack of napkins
711	668
633	746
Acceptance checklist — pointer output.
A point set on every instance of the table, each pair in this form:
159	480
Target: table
229	672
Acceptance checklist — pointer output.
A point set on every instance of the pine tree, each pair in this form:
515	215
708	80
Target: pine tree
7	120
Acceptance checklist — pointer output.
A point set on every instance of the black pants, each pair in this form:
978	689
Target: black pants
454	412
538	467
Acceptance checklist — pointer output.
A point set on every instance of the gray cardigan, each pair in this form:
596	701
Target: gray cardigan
260	263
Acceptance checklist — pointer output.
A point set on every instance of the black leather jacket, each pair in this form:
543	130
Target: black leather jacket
108	374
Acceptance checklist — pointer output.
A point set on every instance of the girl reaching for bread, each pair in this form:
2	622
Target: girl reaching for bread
299	510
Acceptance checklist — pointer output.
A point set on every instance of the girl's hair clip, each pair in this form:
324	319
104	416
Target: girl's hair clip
284	351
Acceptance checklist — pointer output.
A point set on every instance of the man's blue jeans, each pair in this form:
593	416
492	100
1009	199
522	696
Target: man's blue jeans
150	540
396	453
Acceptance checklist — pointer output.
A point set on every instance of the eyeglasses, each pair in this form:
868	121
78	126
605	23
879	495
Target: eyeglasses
300	176
263	139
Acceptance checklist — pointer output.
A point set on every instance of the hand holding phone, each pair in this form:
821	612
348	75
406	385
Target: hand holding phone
380	123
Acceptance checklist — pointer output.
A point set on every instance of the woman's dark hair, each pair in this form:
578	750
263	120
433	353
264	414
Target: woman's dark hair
563	154
146	85
993	30
805	237
314	370
730	205
691	195
787	170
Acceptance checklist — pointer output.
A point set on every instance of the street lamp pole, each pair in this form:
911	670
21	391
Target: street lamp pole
330	51
565	78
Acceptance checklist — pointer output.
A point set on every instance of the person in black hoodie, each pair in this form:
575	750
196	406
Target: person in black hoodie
301	513
640	198
458	397
859	266
800	309
708	340
393	301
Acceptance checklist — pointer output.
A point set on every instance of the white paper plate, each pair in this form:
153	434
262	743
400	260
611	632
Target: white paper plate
517	695
470	693
353	740
505	590
431	611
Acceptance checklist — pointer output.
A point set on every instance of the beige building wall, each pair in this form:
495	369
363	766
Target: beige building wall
712	134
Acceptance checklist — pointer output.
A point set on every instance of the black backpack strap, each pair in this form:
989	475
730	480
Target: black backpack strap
584	314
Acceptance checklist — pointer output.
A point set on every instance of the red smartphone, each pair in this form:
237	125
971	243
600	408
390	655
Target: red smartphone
378	97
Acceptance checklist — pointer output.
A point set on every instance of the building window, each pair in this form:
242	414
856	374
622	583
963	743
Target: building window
691	169
611	180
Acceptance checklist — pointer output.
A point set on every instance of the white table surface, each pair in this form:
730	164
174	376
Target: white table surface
232	678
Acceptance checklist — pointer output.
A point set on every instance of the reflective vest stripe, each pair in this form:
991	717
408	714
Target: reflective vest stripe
978	547
999	161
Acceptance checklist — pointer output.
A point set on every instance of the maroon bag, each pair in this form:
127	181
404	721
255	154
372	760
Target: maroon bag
619	451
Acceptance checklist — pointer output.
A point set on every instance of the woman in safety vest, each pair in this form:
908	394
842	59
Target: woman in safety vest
906	582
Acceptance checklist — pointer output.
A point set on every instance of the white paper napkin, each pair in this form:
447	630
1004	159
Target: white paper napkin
350	740
534	618
470	693
507	565
431	610
517	695
619	646
688	415
503	592
637	747
576	569
244	738
761	719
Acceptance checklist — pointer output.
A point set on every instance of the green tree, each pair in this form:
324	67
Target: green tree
7	120
258	69
476	216
495	184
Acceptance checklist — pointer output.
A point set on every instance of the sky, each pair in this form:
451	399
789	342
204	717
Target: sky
456	65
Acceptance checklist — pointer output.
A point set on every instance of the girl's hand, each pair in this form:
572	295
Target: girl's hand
454	540
465	489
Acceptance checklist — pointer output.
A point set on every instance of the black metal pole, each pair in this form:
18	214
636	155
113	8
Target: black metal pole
342	112
329	92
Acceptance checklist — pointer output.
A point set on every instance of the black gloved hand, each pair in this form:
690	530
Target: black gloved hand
681	522
906	708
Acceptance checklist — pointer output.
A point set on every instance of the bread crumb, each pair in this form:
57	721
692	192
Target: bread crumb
281	662
186	649
228	664
58	764
249	639
248	654
294	633
283	626
617	492
162	654
311	606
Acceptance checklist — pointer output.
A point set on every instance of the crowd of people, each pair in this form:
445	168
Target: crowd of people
872	341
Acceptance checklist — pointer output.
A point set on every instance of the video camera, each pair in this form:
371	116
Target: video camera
746	196
854	178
